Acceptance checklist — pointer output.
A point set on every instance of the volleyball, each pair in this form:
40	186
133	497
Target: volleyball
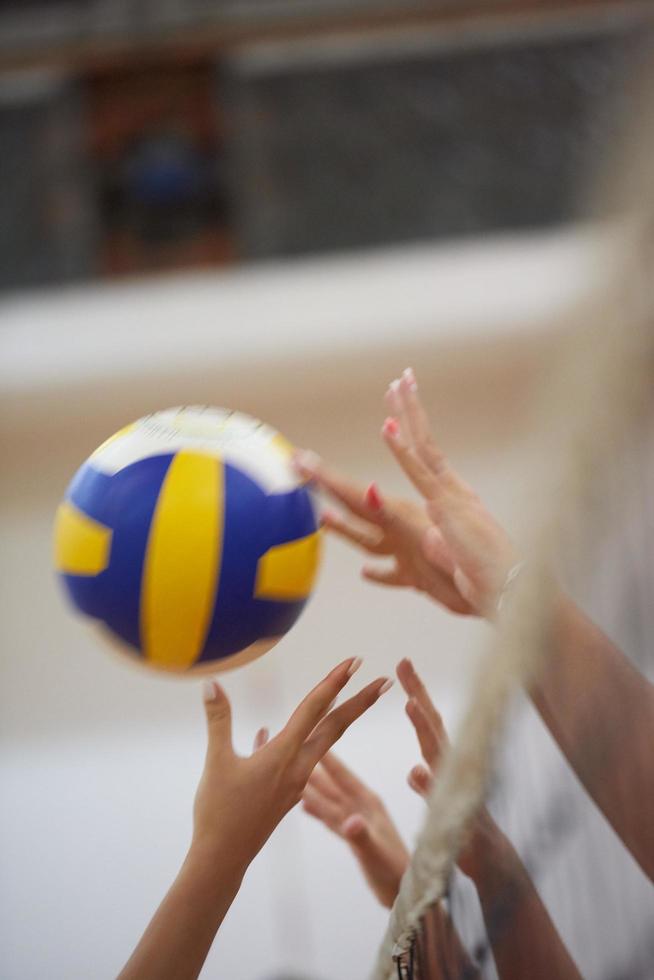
188	537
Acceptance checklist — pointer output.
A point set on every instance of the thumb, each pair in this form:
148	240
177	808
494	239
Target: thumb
260	739
219	715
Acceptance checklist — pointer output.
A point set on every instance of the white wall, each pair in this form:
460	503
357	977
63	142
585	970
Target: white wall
100	760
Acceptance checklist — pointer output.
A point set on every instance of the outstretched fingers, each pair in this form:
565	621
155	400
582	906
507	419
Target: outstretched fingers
414	688
384	575
368	538
423	479
352	495
428	739
408	435
318	702
336	723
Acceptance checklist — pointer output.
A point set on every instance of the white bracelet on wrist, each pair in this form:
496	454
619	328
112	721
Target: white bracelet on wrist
509	582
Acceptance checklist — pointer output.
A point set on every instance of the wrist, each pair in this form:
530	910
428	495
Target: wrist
212	859
487	852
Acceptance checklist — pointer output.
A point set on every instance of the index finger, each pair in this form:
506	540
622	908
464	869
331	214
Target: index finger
414	688
402	397
339	720
349	493
317	702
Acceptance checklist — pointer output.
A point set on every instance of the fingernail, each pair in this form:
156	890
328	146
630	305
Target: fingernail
391	427
386	686
373	497
328	515
306	461
209	690
410	378
393	393
354	666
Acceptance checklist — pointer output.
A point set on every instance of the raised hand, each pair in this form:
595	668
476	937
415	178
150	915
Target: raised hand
238	804
450	547
244	798
484	837
387	527
479	549
354	813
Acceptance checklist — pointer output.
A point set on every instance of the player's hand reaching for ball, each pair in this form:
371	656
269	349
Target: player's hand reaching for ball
358	816
387	527
242	799
450	547
351	810
239	802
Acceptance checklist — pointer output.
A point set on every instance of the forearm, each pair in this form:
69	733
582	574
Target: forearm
439	950
176	943
600	710
523	938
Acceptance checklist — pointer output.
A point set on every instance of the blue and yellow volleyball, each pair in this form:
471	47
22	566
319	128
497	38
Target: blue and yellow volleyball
189	537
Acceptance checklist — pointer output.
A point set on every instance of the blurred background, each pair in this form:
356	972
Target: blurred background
275	206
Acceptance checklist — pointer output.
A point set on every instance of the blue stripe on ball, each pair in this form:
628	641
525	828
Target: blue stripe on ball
254	522
125	502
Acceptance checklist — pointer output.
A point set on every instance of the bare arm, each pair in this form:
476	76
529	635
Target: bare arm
597	706
600	710
239	803
524	939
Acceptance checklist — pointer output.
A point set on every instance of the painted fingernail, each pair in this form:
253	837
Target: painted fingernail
386	686
391	427
306	461
373	497
209	690
393	394
354	666
410	379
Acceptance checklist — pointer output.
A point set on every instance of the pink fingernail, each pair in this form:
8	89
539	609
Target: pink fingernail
391	427
373	497
354	666
386	686
410	378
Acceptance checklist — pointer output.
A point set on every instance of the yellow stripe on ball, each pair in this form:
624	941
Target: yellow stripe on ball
180	575
287	571
81	544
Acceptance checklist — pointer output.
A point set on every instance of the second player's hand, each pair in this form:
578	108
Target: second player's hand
354	813
485	840
387	527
